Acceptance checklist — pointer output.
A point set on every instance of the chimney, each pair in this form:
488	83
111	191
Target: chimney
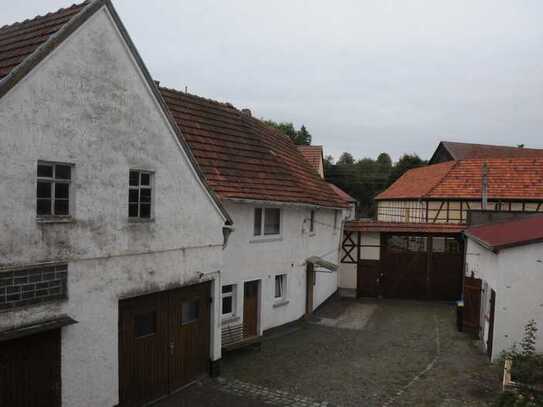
246	112
484	189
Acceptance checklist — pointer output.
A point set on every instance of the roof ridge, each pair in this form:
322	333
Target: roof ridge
39	16
177	91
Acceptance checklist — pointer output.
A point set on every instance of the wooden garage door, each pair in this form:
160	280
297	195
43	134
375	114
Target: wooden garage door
163	342
30	371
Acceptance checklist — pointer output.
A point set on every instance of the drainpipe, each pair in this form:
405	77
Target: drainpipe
484	190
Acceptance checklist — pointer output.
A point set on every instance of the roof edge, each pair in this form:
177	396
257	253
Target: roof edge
21	70
282	203
40	53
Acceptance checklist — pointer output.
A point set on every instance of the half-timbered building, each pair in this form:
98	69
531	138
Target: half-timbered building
414	248
111	242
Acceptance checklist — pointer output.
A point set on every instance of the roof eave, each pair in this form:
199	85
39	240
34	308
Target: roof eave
282	203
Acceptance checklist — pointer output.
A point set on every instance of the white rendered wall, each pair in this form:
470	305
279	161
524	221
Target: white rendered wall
516	274
248	258
87	104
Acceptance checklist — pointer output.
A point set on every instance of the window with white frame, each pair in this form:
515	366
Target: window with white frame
312	221
280	286
140	194
53	189
228	300
267	221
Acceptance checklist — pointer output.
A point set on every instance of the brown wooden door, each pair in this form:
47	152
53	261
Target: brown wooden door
189	341
143	350
490	339
250	309
367	278
30	371
472	305
163	342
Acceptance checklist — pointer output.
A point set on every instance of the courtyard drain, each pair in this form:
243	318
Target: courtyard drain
268	396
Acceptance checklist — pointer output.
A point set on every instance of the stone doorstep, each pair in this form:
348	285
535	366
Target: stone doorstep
268	396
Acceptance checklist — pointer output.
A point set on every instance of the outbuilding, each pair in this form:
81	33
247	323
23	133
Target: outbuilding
504	264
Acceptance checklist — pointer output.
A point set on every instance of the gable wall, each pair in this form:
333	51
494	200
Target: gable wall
87	104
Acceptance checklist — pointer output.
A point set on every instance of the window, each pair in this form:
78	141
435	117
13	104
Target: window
336	214
139	194
190	312
280	286
228	300
53	189
145	324
312	221
267	220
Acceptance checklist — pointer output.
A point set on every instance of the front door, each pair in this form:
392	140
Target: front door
30	371
163	342
310	283
250	309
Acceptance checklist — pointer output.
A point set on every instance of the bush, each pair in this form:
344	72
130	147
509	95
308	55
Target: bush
523	398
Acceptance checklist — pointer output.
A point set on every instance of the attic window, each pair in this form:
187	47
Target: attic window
139	194
53	189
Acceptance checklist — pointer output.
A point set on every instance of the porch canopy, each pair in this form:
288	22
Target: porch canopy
320	264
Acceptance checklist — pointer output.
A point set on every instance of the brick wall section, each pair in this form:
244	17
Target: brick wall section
32	286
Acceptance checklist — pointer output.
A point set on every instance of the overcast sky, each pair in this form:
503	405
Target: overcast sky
363	76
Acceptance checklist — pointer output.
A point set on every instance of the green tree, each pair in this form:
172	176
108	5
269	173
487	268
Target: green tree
299	137
345	159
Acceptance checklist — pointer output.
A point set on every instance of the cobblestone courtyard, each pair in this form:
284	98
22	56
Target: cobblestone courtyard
366	353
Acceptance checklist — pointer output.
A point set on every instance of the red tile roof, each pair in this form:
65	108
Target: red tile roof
417	182
314	155
342	194
466	151
361	225
515	178
501	235
19	40
242	158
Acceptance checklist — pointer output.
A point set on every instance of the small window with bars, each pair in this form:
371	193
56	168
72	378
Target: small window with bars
53	189
140	194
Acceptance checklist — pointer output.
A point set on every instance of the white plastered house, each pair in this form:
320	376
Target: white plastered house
507	258
106	258
279	264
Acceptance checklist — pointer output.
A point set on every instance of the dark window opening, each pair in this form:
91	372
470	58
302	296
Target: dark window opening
190	312
53	189
139	194
145	324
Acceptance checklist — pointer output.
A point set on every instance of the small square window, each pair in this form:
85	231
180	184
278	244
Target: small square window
53	189
190	312
272	220
280	286
228	300
145	324
140	194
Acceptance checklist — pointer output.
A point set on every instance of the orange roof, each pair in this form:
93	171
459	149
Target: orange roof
313	154
514	178
242	158
362	225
